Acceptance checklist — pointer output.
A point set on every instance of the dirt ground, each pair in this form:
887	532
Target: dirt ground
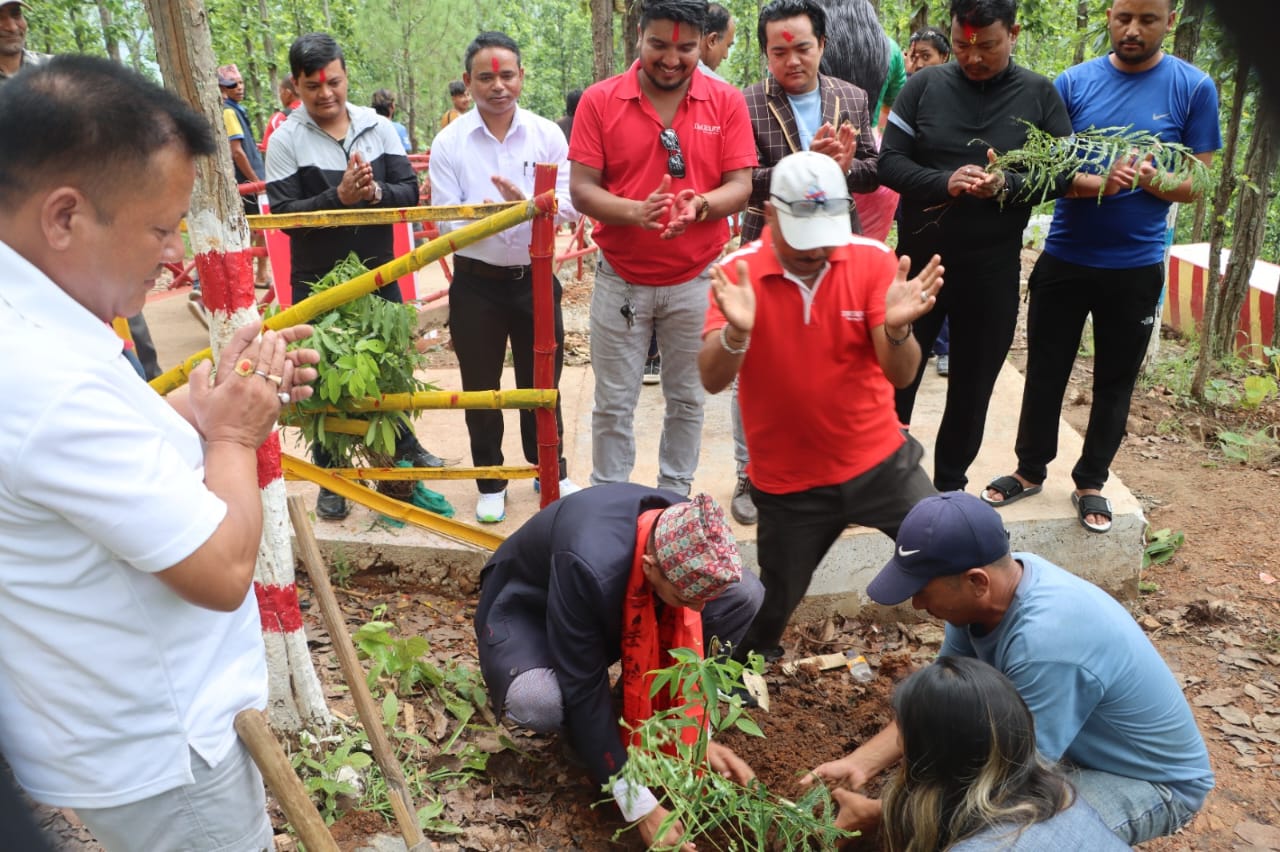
1213	611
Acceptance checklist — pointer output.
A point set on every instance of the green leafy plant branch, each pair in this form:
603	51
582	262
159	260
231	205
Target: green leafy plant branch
366	350
1045	159
748	817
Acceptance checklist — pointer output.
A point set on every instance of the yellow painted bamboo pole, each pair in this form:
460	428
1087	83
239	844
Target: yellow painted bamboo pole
421	400
405	474
375	216
296	468
367	282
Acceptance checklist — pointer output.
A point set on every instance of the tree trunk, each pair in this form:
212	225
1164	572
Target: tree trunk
273	70
921	18
630	31
1082	30
219	238
602	39
1186	39
109	38
1221	200
1197	223
1250	228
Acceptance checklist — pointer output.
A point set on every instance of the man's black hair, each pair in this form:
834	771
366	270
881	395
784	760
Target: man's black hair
313	51
457	87
489	38
286	83
91	123
383	102
690	12
780	10
571	102
984	13
717	20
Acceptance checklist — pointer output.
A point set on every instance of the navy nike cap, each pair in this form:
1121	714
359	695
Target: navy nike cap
941	536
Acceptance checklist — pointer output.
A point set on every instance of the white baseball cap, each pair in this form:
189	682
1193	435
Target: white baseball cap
812	201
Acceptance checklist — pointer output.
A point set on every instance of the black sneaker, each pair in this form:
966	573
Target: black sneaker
653	370
741	506
330	506
420	456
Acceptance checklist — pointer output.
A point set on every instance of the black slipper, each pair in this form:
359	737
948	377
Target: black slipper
1092	504
1010	489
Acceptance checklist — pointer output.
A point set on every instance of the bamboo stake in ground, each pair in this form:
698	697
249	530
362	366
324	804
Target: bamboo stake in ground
353	672
270	758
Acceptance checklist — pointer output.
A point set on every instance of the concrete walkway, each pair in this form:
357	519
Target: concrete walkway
1045	524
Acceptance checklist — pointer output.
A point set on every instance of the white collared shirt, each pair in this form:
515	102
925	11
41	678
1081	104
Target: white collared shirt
464	158
108	678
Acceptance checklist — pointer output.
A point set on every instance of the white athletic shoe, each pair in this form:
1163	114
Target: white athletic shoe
492	508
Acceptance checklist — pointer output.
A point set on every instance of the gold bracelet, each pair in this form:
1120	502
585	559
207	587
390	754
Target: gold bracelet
897	341
724	342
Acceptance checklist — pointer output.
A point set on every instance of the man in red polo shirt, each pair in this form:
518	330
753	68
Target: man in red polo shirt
661	154
816	323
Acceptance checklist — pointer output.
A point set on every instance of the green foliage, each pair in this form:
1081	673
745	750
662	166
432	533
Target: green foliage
1159	548
366	350
1257	449
702	800
1046	158
322	771
403	663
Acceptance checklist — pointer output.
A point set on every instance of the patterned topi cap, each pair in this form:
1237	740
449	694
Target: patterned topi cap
228	75
696	550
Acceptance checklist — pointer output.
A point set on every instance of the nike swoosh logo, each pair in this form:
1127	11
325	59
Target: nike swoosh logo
1162	115
902	552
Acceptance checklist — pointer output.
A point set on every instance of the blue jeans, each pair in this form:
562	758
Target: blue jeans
1135	810
617	358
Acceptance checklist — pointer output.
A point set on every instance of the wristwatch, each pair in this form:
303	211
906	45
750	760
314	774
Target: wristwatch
377	192
704	209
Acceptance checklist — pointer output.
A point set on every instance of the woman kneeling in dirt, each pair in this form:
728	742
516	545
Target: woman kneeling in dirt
971	778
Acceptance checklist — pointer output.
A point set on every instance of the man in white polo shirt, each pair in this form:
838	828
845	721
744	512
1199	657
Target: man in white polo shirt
129	523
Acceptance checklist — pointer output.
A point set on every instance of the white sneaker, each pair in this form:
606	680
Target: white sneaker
492	508
568	486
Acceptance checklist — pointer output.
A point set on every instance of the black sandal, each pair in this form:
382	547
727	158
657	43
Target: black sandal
1092	504
1010	489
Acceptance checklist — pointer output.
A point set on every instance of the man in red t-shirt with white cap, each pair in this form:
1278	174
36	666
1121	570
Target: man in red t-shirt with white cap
815	322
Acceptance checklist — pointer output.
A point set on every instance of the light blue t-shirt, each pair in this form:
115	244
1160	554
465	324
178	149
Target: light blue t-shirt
1077	828
1174	100
1100	693
808	112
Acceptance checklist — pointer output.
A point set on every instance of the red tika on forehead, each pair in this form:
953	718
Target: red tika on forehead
322	76
675	31
787	36
494	61
970	33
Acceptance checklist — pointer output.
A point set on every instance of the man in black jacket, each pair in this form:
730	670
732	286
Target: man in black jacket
946	124
555	613
328	156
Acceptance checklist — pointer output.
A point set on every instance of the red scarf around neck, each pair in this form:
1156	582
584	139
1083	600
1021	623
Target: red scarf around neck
646	637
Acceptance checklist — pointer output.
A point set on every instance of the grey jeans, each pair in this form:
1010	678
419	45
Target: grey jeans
618	351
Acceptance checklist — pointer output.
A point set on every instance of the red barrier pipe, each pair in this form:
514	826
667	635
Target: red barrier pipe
252	187
542	247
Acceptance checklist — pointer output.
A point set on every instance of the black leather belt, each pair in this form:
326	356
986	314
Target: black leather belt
480	269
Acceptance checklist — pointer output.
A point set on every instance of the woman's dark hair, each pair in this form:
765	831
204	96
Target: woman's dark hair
780	10
457	87
313	51
857	46
571	102
984	13
969	759
933	36
383	103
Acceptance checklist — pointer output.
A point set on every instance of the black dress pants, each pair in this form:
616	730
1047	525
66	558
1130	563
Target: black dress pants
1123	305
980	295
489	305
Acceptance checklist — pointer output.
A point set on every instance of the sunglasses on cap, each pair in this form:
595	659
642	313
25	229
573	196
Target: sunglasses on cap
675	157
810	206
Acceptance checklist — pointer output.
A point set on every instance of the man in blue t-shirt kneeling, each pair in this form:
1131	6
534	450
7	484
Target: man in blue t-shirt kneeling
1105	704
1106	258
